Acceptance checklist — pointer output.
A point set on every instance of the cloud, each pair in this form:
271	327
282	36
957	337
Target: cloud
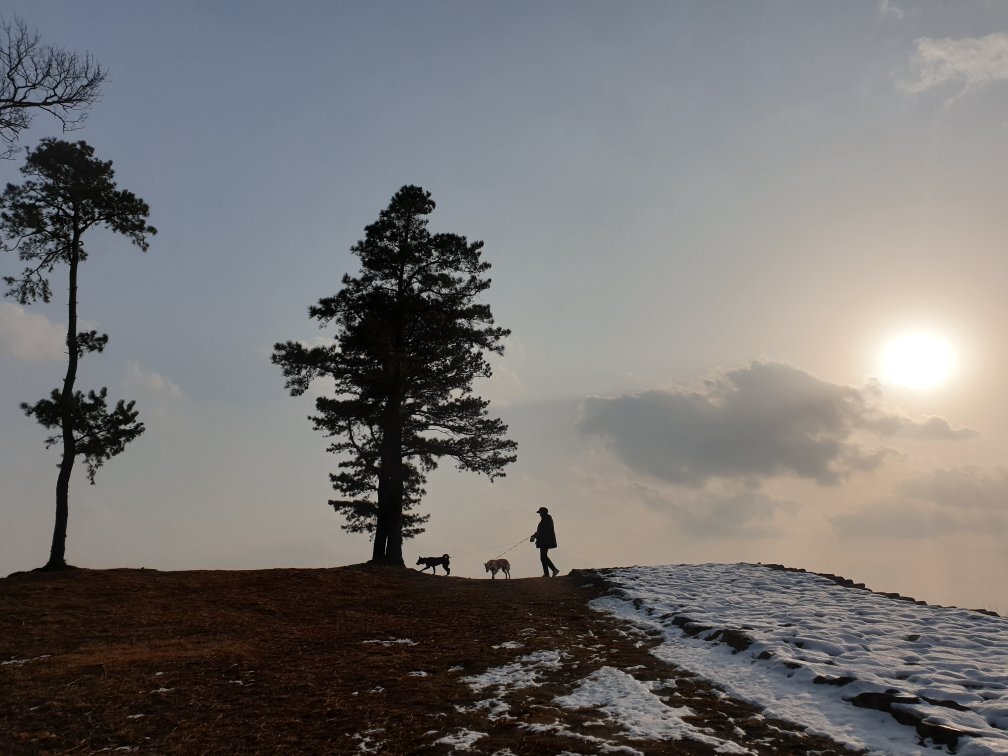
148	384
961	488
505	386
887	8
973	62
728	512
933	428
942	502
902	519
28	335
914	520
763	420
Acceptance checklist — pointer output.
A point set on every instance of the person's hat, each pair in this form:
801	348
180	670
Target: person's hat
542	510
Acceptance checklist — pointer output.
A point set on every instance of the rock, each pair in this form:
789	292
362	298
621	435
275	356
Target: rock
838	681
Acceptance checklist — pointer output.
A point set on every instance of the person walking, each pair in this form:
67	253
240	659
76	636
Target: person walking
545	539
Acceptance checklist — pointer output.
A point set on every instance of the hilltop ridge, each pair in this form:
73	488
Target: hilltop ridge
346	660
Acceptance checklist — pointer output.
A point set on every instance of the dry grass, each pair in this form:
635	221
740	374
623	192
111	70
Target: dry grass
278	661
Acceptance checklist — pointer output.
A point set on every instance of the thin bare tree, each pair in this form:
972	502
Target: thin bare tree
35	76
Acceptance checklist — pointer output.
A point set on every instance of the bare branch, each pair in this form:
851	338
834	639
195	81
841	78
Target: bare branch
35	76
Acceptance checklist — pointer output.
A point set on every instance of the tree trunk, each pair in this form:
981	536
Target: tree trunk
388	529
57	552
381	519
393	549
381	529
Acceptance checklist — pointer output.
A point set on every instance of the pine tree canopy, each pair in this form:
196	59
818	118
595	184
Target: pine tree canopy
412	335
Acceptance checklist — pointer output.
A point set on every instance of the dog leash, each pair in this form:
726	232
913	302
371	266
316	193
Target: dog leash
513	547
483	550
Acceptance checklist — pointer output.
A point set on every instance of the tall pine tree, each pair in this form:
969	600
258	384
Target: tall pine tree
411	337
68	192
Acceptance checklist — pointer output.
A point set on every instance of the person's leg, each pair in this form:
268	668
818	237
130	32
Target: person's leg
553	567
547	564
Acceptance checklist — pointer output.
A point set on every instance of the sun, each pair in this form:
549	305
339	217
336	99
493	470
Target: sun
919	360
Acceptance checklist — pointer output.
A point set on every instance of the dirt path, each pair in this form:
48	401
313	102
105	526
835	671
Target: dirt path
349	660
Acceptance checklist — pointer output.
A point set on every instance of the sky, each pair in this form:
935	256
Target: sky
706	221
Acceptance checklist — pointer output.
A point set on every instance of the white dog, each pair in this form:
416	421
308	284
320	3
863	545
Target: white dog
495	565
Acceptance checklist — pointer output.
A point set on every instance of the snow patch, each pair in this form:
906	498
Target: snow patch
641	714
495	709
603	745
524	672
462	740
807	650
367	743
22	662
391	642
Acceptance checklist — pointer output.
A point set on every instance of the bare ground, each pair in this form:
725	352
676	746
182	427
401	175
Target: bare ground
304	661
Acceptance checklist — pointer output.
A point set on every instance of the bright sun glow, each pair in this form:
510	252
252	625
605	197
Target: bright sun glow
918	360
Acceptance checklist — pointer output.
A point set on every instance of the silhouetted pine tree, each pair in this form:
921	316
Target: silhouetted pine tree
410	339
68	192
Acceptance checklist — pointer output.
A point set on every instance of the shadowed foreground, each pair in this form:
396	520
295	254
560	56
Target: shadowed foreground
307	660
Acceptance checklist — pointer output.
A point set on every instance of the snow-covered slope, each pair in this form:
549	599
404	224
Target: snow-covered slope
865	669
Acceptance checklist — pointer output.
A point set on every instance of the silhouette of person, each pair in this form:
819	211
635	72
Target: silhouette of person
545	539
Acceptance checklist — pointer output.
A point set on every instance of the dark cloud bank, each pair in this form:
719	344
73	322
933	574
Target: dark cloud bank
751	423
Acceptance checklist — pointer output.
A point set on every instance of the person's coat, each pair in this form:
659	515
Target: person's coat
545	535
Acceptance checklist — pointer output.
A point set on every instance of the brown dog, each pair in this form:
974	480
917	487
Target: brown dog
498	565
433	563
